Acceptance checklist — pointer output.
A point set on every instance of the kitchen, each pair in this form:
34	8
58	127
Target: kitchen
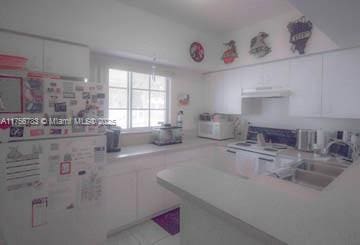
274	106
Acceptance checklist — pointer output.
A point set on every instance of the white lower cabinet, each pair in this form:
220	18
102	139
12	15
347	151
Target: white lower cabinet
132	190
150	195
120	200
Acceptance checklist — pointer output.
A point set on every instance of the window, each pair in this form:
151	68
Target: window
136	100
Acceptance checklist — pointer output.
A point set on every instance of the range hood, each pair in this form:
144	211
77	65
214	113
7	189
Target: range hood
265	92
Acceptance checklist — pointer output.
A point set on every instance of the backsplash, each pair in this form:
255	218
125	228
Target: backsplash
274	135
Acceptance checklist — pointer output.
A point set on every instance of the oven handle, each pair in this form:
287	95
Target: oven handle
230	151
266	159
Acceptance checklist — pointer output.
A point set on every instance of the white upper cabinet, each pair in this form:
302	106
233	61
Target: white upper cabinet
306	86
252	76
341	84
277	74
216	91
25	46
66	59
225	92
232	92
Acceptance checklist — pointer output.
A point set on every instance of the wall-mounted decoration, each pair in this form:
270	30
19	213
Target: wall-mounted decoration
33	95
300	32
230	53
183	99
258	46
11	94
197	52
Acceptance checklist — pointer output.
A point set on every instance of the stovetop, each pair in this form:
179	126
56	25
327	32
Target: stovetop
269	149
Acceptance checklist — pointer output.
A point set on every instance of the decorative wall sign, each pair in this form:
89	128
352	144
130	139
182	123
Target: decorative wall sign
230	53
258	47
34	95
183	99
197	52
11	94
300	32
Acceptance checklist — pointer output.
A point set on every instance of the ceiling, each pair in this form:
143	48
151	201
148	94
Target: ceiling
214	15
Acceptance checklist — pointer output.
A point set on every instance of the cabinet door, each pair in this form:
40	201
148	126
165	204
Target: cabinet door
120	200
246	164
252	76
306	86
216	87
232	92
150	194
341	84
276	74
66	59
25	46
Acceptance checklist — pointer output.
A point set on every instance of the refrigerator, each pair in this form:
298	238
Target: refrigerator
52	156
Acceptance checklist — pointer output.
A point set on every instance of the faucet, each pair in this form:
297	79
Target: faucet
354	147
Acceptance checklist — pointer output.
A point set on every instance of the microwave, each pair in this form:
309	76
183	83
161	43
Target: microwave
216	130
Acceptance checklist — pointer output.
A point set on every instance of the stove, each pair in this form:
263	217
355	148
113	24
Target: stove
251	146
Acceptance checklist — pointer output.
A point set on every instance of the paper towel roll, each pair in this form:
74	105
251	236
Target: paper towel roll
320	138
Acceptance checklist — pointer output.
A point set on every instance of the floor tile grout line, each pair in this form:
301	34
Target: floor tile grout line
160	240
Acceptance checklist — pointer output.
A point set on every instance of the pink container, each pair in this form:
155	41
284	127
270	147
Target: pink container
10	62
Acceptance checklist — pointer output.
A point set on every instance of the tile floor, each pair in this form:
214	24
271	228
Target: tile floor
148	233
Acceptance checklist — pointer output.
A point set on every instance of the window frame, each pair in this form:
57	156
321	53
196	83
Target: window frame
129	109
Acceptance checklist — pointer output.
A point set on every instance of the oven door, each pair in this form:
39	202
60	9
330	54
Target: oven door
265	164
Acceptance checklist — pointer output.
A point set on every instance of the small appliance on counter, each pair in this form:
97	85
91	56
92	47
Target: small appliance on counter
113	139
166	135
306	139
216	126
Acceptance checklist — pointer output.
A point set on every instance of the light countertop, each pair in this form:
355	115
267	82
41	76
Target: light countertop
329	217
189	142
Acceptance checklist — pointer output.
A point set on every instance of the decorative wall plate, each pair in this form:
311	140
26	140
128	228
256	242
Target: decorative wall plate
300	32
230	53
197	52
258	47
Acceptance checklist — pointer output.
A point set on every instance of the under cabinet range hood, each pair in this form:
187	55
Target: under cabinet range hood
265	92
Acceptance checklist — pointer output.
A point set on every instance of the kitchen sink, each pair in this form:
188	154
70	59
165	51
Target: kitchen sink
315	175
322	168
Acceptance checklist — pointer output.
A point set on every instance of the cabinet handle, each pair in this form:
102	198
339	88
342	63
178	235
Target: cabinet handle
265	159
230	151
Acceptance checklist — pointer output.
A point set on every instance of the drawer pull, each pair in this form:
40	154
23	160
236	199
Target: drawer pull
265	159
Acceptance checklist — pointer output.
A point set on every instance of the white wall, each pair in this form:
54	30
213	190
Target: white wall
183	81
108	26
340	20
278	40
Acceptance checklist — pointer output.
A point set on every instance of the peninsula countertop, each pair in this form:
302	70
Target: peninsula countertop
330	217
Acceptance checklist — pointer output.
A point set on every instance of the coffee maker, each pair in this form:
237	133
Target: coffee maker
113	139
